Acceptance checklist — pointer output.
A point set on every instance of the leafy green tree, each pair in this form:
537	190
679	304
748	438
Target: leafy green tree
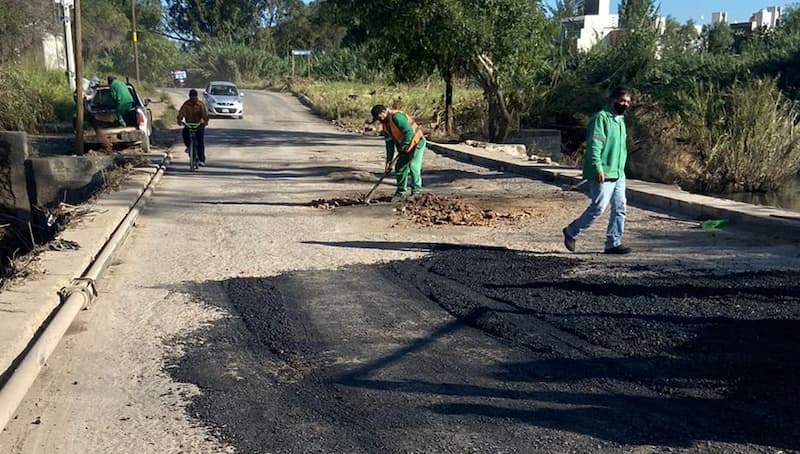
566	8
105	27
22	26
214	18
720	38
677	39
307	27
499	43
637	15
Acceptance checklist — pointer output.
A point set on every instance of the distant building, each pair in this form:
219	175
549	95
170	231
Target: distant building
593	27
767	17
764	18
718	17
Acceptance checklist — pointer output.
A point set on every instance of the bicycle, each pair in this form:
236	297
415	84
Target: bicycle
193	163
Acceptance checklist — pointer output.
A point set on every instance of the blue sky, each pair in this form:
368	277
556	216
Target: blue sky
700	10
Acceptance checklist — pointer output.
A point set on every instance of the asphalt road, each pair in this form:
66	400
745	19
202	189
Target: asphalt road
241	319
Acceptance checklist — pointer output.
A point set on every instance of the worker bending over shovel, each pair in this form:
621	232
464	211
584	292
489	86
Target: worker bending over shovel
402	133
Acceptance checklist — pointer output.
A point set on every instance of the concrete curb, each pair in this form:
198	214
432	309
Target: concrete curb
654	196
46	308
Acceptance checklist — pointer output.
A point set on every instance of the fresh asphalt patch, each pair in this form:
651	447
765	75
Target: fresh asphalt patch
492	350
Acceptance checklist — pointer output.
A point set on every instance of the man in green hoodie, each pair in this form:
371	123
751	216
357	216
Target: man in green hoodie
121	96
604	169
402	133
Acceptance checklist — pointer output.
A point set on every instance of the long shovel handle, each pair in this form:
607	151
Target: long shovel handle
391	166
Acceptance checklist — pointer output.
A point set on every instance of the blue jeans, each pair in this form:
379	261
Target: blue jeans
603	194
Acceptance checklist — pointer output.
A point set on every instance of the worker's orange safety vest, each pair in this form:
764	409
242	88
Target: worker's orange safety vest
397	134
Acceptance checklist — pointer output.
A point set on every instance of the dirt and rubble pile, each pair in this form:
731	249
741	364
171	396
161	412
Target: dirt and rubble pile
430	209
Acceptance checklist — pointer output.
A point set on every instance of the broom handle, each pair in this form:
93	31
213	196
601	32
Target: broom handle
389	169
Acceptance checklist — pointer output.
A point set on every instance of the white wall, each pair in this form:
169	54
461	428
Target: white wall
54	53
595	29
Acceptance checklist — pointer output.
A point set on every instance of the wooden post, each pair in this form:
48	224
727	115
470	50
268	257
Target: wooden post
135	39
78	36
292	65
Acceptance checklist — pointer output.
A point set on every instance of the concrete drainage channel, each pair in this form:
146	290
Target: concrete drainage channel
77	295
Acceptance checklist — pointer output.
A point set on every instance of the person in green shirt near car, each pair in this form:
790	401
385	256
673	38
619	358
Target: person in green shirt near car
604	169
403	135
121	96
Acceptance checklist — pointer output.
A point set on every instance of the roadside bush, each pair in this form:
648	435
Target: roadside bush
54	88
343	64
158	57
747	136
237	62
658	149
23	105
740	138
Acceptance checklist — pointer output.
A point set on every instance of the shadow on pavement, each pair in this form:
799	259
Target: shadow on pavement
523	350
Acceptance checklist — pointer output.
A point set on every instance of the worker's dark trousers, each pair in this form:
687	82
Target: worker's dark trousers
199	137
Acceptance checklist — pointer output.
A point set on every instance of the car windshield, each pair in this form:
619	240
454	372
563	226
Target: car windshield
223	90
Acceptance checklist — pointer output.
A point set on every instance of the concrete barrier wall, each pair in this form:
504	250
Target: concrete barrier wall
13	183
27	182
70	179
539	142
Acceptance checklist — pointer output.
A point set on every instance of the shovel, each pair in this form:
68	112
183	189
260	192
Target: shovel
574	186
388	170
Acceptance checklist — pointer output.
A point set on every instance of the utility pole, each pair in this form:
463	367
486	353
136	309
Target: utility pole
78	80
66	18
135	39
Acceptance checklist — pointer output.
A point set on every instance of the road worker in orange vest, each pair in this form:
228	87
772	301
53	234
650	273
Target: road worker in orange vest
404	136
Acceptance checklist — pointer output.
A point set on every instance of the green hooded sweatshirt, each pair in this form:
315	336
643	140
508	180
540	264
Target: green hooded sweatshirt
606	150
120	93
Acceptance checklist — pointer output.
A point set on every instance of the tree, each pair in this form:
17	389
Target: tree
719	38
213	18
23	24
499	43
305	26
564	9
636	15
678	39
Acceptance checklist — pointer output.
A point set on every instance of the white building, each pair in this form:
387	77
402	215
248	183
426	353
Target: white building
718	17
594	26
764	18
767	17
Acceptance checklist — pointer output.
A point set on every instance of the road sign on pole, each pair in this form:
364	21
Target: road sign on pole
307	54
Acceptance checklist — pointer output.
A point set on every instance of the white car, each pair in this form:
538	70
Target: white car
223	99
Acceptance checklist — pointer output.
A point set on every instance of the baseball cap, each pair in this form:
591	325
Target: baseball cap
376	110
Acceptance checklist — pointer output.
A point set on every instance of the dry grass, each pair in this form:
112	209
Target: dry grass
348	104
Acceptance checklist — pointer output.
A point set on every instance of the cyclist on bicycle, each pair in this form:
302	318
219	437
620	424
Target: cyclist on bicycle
194	111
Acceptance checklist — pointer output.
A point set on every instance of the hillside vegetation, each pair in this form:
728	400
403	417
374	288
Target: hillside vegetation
714	111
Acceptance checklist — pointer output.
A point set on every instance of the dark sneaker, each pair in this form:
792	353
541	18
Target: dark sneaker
569	242
186	150
399	198
618	250
201	163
